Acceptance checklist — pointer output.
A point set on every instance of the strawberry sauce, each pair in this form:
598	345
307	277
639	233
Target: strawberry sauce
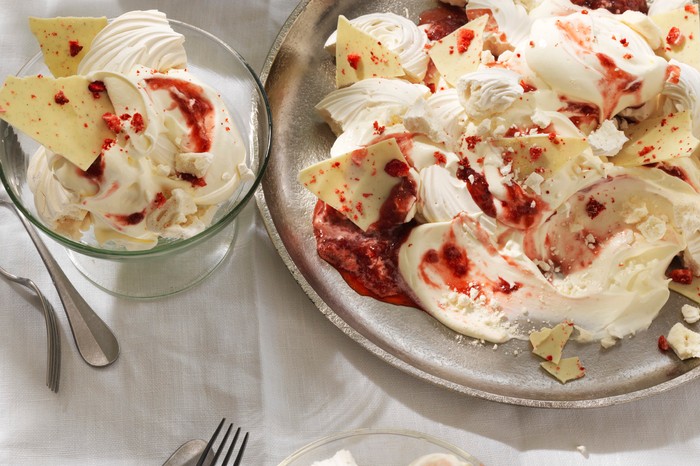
368	261
443	21
615	6
197	109
520	211
615	84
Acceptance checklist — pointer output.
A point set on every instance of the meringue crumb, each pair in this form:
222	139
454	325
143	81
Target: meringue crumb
691	314
608	342
607	140
583	450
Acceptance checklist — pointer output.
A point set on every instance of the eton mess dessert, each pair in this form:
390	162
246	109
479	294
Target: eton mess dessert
134	148
505	162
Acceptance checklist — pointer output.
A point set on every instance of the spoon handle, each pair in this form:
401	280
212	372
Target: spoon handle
95	341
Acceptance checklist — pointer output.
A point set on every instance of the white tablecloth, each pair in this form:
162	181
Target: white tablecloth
248	344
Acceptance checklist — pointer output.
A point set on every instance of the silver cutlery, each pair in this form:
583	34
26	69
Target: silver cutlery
220	450
203	453
188	454
53	338
95	341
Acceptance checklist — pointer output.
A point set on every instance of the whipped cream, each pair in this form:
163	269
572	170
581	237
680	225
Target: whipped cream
176	154
135	38
683	92
599	59
489	91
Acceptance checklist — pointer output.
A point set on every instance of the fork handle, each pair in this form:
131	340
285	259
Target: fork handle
95	341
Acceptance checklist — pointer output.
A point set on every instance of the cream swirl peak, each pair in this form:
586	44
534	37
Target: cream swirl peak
135	38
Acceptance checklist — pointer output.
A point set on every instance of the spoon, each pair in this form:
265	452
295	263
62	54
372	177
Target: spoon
189	453
95	341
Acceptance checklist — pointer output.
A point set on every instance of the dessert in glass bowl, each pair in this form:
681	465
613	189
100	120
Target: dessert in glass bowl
391	447
504	164
143	156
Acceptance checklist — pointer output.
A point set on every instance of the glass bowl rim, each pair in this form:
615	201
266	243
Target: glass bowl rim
368	432
179	244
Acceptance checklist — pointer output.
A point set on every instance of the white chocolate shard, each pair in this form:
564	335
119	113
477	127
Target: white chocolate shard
549	345
64	41
358	183
680	30
459	53
360	56
566	369
658	139
61	114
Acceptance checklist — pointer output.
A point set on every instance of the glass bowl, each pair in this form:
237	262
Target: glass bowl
172	265
386	447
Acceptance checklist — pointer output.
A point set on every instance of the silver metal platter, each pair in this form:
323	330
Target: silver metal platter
297	74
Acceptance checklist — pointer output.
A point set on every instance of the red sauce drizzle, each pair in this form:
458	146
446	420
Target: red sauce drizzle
507	288
95	170
128	219
195	107
451	263
672	170
401	199
614	6
615	84
443	21
527	87
594	208
581	113
396	168
193	180
520	211
478	187
367	261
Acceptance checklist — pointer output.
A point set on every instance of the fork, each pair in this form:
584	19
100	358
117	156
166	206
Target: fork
231	448
53	343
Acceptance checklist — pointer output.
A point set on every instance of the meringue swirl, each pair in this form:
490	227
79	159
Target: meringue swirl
135	38
398	34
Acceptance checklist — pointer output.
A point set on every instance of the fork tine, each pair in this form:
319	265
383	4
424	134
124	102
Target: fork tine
222	444
56	359
211	443
239	456
230	449
53	349
50	345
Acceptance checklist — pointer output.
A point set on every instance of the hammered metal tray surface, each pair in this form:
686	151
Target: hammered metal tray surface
297	74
